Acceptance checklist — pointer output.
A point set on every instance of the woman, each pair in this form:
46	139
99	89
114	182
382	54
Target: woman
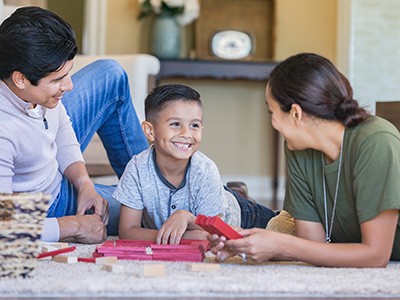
343	174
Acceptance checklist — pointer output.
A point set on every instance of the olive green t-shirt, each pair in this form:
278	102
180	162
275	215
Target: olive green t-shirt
369	181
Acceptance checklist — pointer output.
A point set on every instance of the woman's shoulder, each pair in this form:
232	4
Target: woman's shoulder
372	134
374	126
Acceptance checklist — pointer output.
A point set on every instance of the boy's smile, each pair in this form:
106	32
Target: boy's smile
177	131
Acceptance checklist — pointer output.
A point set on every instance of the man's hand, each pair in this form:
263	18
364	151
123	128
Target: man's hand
88	200
86	229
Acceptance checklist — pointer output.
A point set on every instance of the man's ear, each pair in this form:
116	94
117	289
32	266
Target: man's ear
148	130
296	113
19	79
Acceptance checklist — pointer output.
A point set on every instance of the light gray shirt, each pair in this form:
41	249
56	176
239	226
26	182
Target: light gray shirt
143	187
34	158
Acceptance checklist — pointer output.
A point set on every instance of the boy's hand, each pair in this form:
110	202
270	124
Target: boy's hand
173	229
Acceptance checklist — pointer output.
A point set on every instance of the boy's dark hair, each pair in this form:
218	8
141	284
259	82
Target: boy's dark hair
35	42
163	95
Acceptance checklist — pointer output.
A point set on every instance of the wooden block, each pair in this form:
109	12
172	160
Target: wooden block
204	267
48	248
59	245
106	260
47	258
65	259
216	225
56	252
87	259
153	270
55	245
113	268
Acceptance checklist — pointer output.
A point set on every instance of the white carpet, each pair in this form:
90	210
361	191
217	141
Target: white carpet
234	279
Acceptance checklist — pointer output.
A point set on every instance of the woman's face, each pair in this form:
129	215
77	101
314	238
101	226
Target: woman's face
284	123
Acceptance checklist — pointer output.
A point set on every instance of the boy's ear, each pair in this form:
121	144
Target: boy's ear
148	130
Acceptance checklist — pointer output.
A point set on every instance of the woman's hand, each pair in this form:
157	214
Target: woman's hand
258	245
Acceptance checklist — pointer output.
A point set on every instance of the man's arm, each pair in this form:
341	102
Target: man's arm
87	197
84	228
87	229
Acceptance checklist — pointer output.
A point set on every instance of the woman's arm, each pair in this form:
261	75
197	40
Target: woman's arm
130	225
262	245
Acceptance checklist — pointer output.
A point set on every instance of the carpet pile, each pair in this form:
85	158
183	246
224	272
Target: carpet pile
233	279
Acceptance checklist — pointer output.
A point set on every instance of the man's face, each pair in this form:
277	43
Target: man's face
50	89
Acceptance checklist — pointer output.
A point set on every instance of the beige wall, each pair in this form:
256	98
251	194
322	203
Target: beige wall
305	25
300	25
237	135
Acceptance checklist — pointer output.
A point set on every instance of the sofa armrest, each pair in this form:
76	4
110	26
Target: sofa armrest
139	68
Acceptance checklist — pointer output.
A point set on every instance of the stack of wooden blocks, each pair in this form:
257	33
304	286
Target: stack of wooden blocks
187	250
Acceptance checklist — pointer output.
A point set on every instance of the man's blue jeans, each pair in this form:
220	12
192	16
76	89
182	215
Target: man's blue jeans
100	102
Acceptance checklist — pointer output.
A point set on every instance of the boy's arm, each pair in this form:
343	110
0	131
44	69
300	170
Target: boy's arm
130	225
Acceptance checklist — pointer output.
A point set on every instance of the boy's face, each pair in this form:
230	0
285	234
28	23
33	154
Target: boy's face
177	131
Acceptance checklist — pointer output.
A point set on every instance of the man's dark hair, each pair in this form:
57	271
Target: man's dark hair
161	96
35	42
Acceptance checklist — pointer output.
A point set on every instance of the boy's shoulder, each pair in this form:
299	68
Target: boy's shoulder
198	155
141	158
200	160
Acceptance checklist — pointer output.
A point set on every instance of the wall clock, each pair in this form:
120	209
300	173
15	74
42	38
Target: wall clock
232	44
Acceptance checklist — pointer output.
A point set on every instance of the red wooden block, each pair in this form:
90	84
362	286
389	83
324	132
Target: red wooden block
56	252
215	225
87	259
188	250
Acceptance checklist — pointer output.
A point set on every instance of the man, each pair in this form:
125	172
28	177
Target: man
42	138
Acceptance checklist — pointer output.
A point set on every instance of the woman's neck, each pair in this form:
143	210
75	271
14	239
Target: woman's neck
329	140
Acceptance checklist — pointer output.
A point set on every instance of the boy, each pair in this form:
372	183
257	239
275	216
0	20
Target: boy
164	188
